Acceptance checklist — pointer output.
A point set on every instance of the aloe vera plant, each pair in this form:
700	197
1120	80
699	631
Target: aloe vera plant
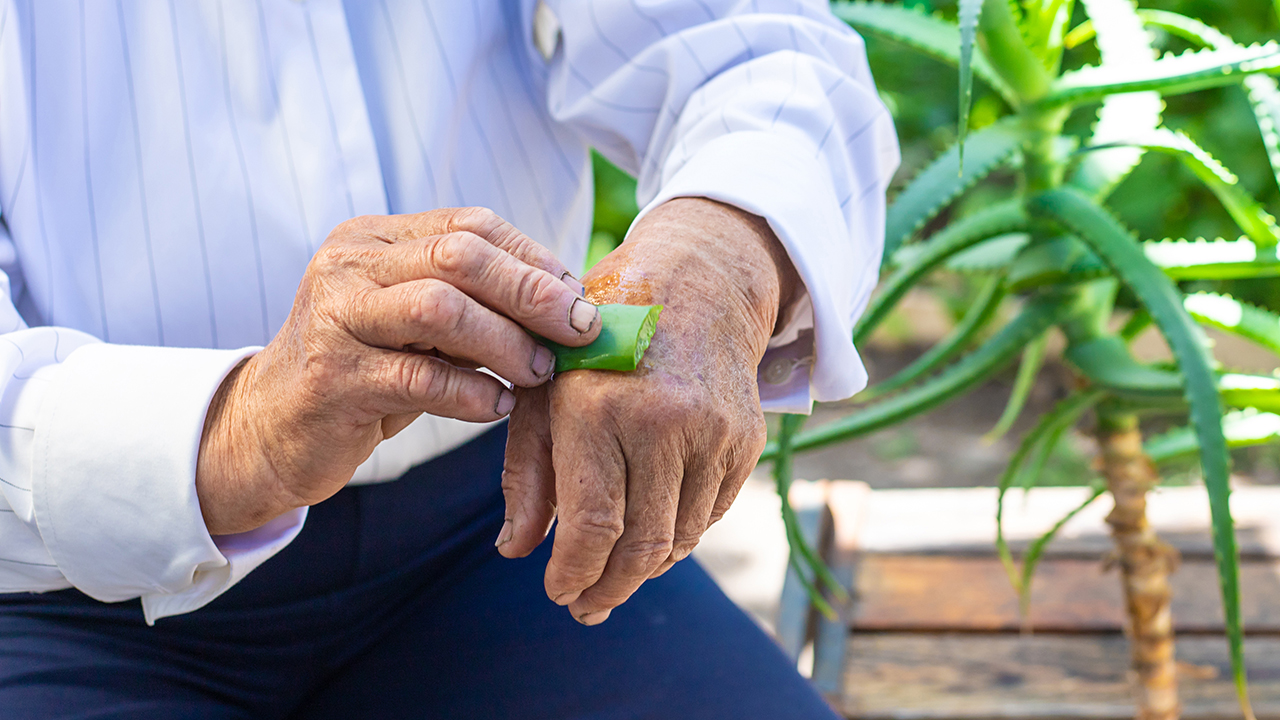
1055	246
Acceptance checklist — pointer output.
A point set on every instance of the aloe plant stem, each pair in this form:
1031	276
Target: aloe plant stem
1145	563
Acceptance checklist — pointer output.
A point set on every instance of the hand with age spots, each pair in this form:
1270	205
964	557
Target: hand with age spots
391	319
637	465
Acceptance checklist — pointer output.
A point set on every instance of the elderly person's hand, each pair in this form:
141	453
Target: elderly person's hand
637	465
390	320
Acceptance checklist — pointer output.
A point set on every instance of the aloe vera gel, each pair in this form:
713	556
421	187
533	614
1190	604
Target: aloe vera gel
625	333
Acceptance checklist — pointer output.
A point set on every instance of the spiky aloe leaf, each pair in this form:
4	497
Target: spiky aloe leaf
1106	361
1006	46
987	359
931	35
803	558
942	181
1122	41
980	312
1157	294
1170	75
991	221
1242	428
1250	391
1031	558
1063	415
1241	318
1212	259
1256	223
1043	27
994	255
1028	370
1263	91
968	15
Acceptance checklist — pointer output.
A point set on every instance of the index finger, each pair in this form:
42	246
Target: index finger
532	297
484	223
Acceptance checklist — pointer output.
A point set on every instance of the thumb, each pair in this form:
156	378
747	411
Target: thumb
528	478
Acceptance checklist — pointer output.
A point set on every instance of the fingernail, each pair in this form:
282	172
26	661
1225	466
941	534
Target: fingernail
573	283
566	598
543	361
504	535
594	618
506	401
582	315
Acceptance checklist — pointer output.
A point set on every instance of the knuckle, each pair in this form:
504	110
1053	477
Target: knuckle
450	254
536	294
444	308
471	219
642	556
599	525
684	544
357	226
418	378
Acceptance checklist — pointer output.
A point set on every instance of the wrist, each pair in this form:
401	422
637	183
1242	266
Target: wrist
235	491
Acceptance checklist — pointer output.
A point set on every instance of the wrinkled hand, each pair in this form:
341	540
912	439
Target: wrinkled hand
391	318
637	465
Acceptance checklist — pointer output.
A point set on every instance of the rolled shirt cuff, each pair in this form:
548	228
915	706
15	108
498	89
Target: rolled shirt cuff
780	179
113	479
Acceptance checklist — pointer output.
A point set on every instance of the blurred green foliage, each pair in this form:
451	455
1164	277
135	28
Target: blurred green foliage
615	208
1160	199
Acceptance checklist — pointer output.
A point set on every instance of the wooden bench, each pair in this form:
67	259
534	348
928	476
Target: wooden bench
933	629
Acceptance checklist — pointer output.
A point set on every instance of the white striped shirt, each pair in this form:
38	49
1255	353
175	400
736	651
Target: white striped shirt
168	168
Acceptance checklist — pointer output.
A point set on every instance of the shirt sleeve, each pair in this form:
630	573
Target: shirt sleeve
98	447
766	105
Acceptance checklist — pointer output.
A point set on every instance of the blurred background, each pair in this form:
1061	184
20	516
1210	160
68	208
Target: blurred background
747	552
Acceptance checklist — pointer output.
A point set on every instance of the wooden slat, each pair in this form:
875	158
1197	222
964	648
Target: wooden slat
973	594
958	521
968	677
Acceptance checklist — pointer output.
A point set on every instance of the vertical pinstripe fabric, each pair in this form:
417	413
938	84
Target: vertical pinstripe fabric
167	170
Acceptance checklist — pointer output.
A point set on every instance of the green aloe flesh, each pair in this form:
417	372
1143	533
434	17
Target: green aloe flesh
625	332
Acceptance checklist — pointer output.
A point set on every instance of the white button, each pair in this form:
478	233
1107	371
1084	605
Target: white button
778	371
546	30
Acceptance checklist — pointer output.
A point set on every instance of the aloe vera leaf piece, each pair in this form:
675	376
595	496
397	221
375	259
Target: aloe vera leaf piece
964	233
801	554
968	13
1171	75
931	35
625	332
1035	550
1212	259
1122	41
1064	414
1157	294
942	181
1241	318
1032	361
970	370
1256	222
980	312
1242	428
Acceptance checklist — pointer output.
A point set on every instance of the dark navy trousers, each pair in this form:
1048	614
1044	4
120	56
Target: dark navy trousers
393	603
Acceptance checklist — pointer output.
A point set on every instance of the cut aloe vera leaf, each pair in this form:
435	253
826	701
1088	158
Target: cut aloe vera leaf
625	332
